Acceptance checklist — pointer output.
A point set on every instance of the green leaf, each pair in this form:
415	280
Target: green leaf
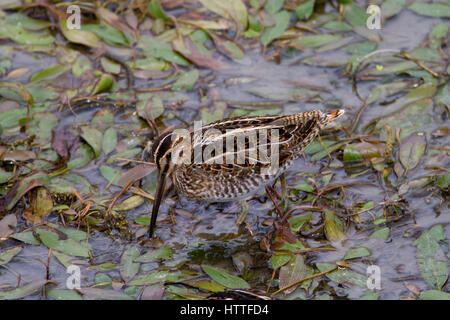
355	15
338	26
128	267
281	23
273	6
294	271
164	253
343	276
315	41
382	234
26	237
224	278
104	84
68	246
431	259
50	73
351	153
94	138
26	22
437	35
111	174
411	150
86	38
157	48
353	253
333	227
369	295
7	254
390	8
186	81
22	36
278	260
103	294
62	294
434	295
438	10
5	176
109	140
305	10
234	8
162	276
24	291
107	33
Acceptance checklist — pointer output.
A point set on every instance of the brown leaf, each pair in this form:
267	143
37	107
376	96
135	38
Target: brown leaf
7	225
189	50
150	74
153	292
17	73
18	155
136	173
63	141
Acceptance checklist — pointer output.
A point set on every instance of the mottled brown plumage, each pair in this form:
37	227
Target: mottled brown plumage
235	158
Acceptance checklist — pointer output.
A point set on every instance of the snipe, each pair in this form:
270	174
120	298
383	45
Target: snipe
232	159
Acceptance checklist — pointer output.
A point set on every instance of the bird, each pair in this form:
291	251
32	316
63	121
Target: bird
232	159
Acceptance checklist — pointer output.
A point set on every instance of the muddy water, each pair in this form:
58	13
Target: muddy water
207	233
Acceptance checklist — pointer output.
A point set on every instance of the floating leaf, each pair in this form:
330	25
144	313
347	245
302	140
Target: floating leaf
224	278
63	294
7	225
68	246
186	81
305	10
439	10
234	8
411	150
102	294
26	237
390	8
382	234
109	140
434	295
94	138
315	41
163	253
333	227
86	38
186	47
49	73
107	33
356	253
129	203
7	254
128	267
343	276
292	272
281	23
24	291
162	276
431	258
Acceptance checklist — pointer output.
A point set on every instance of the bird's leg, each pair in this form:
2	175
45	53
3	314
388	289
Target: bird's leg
244	212
284	195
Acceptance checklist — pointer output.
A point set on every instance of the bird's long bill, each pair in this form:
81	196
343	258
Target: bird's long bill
158	197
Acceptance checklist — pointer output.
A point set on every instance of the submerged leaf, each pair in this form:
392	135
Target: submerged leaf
224	278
